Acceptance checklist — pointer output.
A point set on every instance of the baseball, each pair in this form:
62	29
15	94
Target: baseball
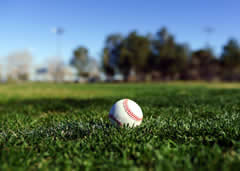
126	112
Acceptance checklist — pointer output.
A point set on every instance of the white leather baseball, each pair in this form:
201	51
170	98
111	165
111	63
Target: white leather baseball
126	112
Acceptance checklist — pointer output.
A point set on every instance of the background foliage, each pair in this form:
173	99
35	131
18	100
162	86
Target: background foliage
159	57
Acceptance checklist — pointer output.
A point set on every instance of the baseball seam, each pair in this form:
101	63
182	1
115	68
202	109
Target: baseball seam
129	112
113	118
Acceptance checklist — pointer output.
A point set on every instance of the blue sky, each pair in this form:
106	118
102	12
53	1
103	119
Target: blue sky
27	24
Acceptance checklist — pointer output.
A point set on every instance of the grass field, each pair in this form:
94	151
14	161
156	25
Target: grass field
193	126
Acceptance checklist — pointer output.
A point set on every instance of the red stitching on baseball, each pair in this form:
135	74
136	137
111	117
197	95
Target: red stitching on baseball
129	112
113	118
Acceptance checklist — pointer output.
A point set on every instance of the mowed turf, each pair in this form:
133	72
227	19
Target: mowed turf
193	126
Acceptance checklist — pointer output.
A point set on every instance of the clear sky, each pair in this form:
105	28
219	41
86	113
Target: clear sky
27	24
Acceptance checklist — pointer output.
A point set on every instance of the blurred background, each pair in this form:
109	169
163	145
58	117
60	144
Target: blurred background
119	41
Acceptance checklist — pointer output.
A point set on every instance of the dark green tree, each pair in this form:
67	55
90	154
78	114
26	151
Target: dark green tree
107	67
168	57
230	59
134	54
110	54
231	53
203	65
126	54
80	60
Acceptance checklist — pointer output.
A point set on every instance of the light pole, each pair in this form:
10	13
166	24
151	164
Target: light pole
208	31
58	66
59	32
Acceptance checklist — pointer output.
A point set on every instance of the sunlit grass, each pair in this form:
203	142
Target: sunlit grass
186	126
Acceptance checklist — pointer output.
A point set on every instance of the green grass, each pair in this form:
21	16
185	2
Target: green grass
193	126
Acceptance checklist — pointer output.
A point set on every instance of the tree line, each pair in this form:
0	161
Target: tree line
151	57
159	57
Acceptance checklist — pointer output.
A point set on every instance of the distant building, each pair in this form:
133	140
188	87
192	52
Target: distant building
19	64
69	74
42	74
